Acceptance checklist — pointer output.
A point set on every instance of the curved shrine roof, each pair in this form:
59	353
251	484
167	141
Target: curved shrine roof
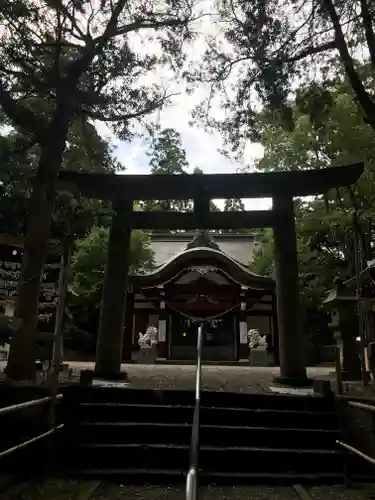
201	252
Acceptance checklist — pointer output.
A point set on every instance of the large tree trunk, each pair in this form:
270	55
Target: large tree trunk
21	362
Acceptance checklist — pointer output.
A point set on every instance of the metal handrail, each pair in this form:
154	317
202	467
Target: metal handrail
30	441
55	365
27	404
357	452
362	406
192	477
347	447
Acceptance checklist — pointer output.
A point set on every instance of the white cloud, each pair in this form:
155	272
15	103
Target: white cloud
202	148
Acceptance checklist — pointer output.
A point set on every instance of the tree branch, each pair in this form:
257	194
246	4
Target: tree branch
96	45
58	5
10	152
369	32
364	98
21	116
310	51
128	116
150	25
93	46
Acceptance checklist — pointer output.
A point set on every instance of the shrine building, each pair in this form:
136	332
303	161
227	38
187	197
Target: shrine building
203	276
202	280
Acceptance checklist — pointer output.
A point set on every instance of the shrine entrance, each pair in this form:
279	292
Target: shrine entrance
124	190
203	283
219	338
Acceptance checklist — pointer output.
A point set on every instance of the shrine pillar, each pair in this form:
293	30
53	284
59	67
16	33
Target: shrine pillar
275	331
162	327
112	309
128	326
242	323
292	363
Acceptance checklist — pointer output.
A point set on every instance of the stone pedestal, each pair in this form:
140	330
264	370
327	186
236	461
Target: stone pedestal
147	355
258	357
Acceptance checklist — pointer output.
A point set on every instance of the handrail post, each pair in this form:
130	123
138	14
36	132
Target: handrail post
192	477
58	332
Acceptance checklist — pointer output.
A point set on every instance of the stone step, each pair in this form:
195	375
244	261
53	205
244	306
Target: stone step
120	412
186	398
180	433
211	458
142	477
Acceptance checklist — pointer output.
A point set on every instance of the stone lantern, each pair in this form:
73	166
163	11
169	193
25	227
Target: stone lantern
344	323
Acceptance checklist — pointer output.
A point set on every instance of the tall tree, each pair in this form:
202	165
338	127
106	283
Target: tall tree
341	138
325	224
167	156
88	263
85	151
62	60
265	46
234	205
213	206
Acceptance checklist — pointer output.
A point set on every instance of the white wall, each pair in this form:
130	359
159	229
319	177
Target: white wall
240	249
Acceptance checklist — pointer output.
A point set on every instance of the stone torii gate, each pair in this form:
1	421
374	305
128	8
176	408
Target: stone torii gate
123	190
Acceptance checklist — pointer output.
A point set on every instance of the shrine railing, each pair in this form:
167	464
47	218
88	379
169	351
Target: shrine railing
357	430
192	477
27	404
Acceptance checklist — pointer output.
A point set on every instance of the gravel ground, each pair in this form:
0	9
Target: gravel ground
74	490
214	378
51	489
242	378
205	493
362	492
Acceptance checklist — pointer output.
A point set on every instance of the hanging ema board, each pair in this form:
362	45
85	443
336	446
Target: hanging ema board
10	266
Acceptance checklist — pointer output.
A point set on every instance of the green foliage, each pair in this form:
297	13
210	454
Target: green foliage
213	206
234	205
86	151
80	60
263	257
62	61
266	46
167	156
326	225
88	264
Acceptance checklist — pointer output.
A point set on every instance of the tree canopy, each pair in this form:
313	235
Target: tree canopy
62	61
86	151
326	225
261	49
88	265
167	156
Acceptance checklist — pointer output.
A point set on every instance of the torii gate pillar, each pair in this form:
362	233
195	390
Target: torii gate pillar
292	362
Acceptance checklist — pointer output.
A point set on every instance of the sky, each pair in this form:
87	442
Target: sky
202	148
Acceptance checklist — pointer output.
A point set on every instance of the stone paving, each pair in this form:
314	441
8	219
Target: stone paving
241	378
214	378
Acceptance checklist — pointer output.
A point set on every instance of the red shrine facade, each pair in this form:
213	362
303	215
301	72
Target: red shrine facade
203	283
